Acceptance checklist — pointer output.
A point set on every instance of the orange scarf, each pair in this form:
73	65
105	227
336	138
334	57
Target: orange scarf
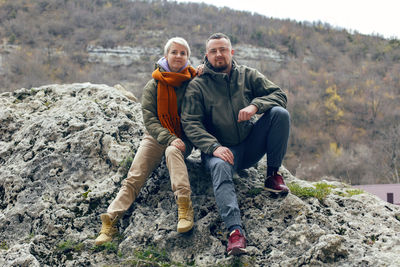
167	106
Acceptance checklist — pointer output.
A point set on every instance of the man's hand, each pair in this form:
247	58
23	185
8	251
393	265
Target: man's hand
179	144
224	153
246	113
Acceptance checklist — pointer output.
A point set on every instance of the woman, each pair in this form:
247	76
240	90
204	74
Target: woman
161	104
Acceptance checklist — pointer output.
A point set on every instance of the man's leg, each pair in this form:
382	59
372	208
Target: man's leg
269	136
224	190
225	196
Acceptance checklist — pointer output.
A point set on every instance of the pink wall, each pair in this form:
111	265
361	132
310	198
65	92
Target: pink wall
381	190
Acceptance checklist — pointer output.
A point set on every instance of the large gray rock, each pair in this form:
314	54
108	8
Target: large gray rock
64	150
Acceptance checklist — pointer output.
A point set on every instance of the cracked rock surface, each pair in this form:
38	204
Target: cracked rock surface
64	150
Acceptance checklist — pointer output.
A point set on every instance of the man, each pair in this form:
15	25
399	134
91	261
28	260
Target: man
216	115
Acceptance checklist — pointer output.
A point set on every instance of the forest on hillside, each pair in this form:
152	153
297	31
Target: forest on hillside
343	87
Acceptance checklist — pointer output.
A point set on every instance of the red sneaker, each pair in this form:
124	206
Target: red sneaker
236	243
276	184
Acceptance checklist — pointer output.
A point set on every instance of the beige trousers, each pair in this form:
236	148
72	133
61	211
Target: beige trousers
147	158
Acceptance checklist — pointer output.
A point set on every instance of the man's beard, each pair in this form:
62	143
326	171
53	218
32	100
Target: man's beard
220	68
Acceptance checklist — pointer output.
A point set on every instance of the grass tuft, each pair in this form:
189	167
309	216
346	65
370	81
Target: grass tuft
320	191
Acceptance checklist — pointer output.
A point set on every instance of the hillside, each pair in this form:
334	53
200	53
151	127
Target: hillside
64	150
343	87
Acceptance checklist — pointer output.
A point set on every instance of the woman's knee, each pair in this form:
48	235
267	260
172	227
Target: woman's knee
172	151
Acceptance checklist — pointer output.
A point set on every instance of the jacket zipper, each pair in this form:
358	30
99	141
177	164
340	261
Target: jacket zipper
233	111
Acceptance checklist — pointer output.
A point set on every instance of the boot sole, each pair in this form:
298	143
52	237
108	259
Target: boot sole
185	230
283	192
237	251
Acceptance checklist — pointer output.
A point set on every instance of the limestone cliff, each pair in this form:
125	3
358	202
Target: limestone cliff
64	150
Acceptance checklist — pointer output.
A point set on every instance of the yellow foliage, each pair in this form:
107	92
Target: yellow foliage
351	91
197	28
359	133
389	96
335	149
332	101
108	4
369	83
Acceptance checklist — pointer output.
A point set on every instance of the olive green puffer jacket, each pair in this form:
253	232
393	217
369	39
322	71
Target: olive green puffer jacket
213	101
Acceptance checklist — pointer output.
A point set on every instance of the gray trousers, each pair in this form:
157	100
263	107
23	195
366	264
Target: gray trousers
269	136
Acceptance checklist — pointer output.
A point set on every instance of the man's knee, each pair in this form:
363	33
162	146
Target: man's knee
221	172
280	113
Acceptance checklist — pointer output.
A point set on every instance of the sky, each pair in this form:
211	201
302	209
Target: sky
380	17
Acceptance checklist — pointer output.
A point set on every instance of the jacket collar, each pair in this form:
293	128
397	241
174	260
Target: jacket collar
209	69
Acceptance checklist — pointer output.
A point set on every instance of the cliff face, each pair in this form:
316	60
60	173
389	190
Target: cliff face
64	150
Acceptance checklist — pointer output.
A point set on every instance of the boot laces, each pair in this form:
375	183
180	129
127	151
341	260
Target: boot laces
183	211
108	228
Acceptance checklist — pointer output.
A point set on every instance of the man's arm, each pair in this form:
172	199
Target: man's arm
193	117
265	93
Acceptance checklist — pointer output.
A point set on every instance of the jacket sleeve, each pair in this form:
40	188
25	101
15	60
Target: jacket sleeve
192	118
150	116
264	92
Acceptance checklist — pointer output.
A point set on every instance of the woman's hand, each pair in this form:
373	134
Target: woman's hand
179	144
200	69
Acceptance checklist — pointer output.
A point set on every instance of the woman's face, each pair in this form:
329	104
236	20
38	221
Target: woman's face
177	57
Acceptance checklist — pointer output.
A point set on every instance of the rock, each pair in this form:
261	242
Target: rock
64	150
121	55
258	57
126	92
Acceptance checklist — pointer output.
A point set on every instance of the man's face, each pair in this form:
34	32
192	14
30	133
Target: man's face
219	54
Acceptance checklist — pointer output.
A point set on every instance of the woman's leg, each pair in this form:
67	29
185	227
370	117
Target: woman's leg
148	156
177	171
181	187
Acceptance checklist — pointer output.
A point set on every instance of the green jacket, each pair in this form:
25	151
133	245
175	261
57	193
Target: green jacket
150	115
213	100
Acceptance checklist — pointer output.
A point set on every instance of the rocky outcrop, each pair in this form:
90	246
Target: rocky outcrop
126	55
64	150
259	57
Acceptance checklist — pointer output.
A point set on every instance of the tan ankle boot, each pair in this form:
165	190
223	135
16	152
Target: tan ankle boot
185	214
108	229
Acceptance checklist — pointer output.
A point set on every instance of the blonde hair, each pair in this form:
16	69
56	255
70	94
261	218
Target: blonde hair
177	40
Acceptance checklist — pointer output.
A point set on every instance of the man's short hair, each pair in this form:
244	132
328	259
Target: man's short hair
177	40
218	35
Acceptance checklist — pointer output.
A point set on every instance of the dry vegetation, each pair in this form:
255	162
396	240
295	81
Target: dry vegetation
343	87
